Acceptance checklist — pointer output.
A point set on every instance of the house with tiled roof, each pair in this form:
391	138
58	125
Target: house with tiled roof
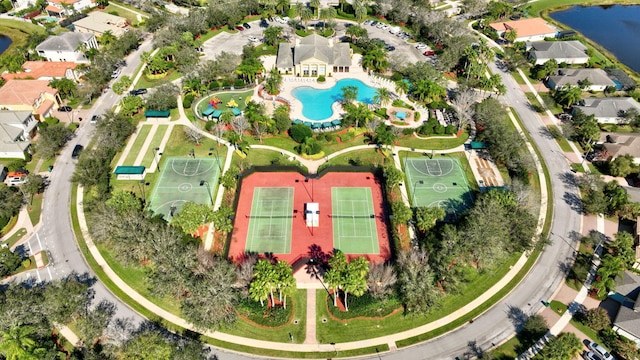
69	7
532	29
68	46
35	96
597	79
609	110
627	321
569	52
44	70
313	55
98	22
17	128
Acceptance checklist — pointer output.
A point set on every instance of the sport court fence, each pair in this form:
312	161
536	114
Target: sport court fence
270	217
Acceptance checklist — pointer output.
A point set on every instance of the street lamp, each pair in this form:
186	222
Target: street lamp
155	157
413	194
141	185
211	150
205	182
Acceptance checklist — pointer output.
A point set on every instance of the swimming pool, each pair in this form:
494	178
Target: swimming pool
316	103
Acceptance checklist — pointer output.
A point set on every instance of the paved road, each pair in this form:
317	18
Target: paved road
55	234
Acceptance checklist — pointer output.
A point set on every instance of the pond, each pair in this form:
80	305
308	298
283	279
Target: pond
614	27
5	42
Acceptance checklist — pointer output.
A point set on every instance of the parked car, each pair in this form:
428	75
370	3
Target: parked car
140	91
94	119
239	28
16	181
374	23
277	19
64	108
591	356
115	73
246	26
76	151
390	48
429	53
254	39
600	351
366	22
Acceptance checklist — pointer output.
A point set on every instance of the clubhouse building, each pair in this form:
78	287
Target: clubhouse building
313	55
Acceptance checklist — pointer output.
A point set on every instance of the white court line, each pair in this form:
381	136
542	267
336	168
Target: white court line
38	237
49	271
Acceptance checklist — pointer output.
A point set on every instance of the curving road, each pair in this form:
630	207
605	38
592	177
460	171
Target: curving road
55	235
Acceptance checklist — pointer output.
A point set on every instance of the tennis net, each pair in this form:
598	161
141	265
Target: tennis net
270	216
370	216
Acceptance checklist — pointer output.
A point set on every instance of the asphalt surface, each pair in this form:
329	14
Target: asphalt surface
55	234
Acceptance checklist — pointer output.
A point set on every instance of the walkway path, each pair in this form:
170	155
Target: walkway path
311	317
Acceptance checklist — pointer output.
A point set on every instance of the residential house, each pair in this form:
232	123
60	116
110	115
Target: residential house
613	145
44	70
98	22
313	55
569	52
596	79
16	131
627	321
609	110
69	7
35	96
533	29
68	46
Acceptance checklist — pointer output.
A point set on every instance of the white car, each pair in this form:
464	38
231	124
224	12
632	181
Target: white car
421	46
284	20
253	39
380	25
600	351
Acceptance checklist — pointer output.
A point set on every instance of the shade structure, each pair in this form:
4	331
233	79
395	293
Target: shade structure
316	125
401	115
216	113
236	111
326	124
336	122
297	121
208	112
307	123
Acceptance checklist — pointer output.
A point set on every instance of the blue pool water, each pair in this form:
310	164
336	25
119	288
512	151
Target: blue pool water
48	18
316	104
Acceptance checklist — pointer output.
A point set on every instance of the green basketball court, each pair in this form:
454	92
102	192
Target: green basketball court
271	221
179	182
354	221
438	182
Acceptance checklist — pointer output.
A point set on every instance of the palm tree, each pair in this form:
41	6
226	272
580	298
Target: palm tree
355	279
382	96
358	115
375	60
361	11
258	291
282	5
316	5
107	38
270	6
426	90
267	277
273	82
286	282
402	87
568	95
302	12
17	344
226	117
349	94
327	15
334	277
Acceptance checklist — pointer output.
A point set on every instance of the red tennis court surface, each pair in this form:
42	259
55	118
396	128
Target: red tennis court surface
302	236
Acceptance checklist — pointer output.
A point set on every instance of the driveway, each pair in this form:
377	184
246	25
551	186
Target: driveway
230	42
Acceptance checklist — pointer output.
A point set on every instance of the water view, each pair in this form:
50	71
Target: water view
614	27
316	104
5	42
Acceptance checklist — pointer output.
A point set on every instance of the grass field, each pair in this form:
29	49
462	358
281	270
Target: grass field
141	136
35	208
18	31
118	11
148	159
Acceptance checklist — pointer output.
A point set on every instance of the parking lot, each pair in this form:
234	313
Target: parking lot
233	43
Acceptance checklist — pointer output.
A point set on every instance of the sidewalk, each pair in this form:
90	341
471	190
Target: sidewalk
24	222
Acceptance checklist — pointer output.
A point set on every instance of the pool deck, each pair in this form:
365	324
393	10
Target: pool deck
356	71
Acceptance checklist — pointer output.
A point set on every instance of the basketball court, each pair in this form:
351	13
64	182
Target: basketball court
354	220
438	182
179	182
270	220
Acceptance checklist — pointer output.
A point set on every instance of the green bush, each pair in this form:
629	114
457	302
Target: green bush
321	78
299	132
346	136
52	120
15	165
73	126
366	306
407	131
426	129
450	130
26	263
396	76
416	115
402	104
186	102
382	112
42	125
209	125
329	137
238	83
263	315
9	262
439	129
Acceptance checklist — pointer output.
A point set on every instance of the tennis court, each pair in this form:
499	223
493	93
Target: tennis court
354	220
270	221
179	182
438	182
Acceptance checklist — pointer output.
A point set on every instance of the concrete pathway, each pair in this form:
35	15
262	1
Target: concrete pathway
23	222
311	317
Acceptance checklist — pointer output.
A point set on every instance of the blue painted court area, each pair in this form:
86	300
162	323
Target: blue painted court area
316	104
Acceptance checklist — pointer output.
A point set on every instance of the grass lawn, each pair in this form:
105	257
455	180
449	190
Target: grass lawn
330	330
262	157
148	159
13	239
145	82
535	8
534	102
179	146
18	32
518	78
506	350
12	222
135	277
225	96
141	137
174	114
432	144
550	103
34	209
364	156
280	334
118	11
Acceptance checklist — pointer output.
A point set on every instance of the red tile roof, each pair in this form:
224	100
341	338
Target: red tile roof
39	69
24	92
525	27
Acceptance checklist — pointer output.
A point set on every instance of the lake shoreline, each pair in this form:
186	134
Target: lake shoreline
545	14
